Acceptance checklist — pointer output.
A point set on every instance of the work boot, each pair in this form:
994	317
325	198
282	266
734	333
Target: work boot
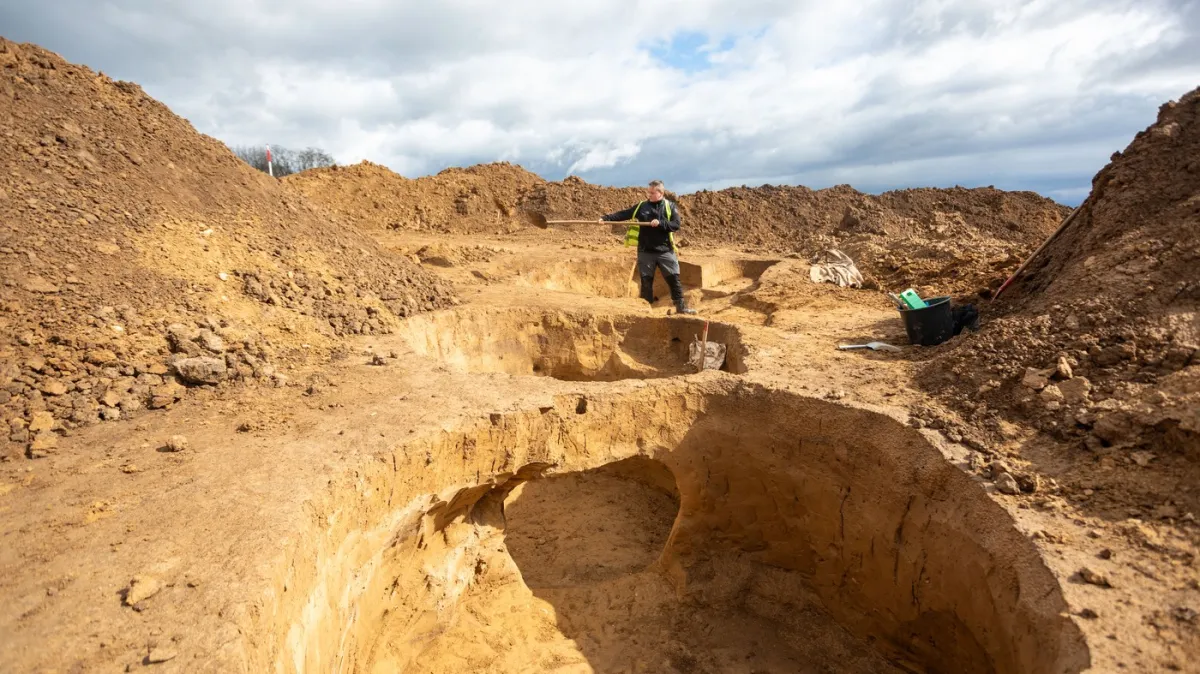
677	293
680	308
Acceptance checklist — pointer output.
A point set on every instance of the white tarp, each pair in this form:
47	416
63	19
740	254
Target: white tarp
834	266
714	357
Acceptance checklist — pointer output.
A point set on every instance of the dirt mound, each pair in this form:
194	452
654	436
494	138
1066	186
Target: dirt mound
574	198
457	200
1099	339
141	257
772	217
1135	236
942	241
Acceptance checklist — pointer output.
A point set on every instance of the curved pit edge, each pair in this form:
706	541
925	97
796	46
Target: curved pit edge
767	479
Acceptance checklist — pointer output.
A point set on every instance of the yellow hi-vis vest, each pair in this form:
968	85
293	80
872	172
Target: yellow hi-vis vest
631	234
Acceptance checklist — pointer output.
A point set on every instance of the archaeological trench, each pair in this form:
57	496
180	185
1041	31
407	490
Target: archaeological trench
853	535
676	522
625	514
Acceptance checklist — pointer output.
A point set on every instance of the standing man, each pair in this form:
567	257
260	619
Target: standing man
655	239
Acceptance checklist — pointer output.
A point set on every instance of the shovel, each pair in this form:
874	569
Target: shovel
1052	237
538	220
874	346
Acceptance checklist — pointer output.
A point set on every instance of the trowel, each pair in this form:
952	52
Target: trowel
874	346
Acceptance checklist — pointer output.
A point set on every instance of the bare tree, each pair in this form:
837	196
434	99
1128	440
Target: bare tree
313	157
283	161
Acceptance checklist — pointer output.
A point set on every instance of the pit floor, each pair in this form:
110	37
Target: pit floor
581	593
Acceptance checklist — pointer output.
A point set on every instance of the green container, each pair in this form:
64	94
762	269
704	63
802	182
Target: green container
912	299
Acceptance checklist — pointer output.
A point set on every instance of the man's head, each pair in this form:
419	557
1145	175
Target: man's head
655	191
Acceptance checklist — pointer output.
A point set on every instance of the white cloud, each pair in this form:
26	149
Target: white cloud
877	93
604	156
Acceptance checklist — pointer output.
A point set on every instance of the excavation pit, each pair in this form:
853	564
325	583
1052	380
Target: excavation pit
566	345
589	544
709	278
704	272
592	526
617	277
600	277
671	530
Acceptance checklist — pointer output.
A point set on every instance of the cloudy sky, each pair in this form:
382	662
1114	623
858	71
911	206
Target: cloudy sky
701	93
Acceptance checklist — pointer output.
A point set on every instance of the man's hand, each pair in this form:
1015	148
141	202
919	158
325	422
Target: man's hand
654	222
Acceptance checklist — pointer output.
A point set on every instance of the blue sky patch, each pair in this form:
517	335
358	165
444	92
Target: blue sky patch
690	51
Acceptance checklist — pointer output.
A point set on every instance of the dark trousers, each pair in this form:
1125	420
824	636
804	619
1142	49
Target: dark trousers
668	264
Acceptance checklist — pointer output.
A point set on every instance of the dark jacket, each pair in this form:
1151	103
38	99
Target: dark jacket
651	239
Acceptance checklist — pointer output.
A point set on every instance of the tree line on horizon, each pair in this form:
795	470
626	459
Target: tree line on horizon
284	161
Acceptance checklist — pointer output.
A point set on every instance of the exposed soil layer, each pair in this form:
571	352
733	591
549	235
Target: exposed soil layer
588	544
611	277
129	242
712	272
616	276
567	346
840	539
592	526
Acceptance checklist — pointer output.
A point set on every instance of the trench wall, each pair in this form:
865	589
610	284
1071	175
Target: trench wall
779	495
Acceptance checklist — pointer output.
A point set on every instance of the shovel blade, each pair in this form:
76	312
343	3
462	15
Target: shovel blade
874	346
536	219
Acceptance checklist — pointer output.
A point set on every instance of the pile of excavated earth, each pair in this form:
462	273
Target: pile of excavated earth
1096	344
141	257
351	421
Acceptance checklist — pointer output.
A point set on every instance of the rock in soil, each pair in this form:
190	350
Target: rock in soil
111	398
1007	484
1142	459
54	388
160	655
212	342
1035	379
177	443
203	370
1075	390
1184	615
141	588
42	444
1063	370
1093	578
42	421
1029	484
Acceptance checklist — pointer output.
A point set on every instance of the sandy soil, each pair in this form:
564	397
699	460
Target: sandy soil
257	532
